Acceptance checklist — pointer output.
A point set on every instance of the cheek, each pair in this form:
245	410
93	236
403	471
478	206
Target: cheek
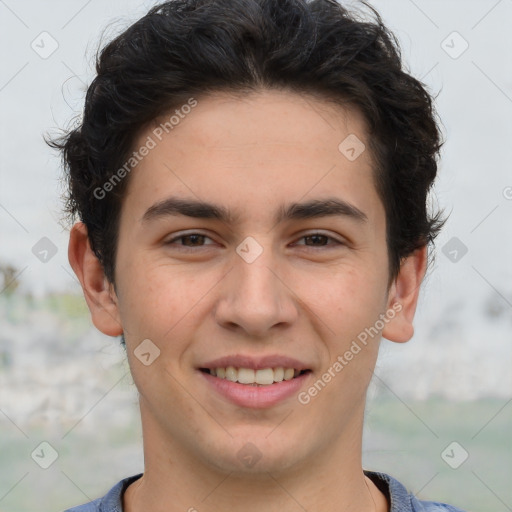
161	301
348	307
346	298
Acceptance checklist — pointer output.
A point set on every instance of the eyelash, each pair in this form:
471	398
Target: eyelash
184	247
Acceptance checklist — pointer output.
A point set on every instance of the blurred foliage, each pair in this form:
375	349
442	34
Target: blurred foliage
9	281
66	305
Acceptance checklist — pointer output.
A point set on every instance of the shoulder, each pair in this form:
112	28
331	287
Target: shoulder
401	500
111	502
435	506
432	506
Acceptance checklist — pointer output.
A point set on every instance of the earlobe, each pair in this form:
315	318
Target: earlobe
98	292
403	296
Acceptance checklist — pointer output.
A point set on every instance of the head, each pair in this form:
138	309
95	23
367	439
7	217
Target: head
251	106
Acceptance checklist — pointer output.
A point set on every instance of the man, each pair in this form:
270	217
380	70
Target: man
251	181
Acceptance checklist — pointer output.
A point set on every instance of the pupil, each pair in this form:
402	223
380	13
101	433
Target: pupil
317	237
194	238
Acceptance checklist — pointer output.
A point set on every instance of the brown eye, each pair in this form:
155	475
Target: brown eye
193	239
319	240
189	240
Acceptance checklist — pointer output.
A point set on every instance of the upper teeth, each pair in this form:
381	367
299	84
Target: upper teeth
249	376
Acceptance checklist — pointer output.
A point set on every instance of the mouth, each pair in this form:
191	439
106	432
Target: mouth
255	381
256	378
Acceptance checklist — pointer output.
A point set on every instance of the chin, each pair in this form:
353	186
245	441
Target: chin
256	450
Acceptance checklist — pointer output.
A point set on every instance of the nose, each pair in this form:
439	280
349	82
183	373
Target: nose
257	296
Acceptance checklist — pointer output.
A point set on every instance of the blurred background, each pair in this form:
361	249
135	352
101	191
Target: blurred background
439	413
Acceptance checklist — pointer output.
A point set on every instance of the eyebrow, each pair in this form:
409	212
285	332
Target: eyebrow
174	206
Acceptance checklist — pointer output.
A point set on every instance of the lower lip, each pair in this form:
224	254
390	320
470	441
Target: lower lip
257	397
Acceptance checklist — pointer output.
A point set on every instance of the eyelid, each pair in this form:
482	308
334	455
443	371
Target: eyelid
339	241
179	235
176	237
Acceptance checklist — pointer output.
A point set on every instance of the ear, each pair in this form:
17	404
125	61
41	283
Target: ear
403	296
98	291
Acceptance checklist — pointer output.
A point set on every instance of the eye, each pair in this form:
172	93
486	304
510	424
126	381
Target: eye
189	240
320	240
313	240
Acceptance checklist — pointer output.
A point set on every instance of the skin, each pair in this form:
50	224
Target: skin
303	298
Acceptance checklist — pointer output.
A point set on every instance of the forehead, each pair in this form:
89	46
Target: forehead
229	120
258	149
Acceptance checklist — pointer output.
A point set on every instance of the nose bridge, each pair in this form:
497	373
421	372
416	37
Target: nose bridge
254	297
257	279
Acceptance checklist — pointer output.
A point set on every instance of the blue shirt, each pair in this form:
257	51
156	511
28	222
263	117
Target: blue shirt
397	495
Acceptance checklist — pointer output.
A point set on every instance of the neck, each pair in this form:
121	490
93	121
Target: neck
331	481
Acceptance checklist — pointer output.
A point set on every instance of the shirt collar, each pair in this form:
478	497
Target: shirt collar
399	499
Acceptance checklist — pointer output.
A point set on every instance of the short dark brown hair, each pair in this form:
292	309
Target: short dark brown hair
191	48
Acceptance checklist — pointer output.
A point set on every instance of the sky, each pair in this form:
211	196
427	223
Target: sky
459	49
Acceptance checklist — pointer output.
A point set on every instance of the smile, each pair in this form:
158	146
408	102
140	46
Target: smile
239	386
249	376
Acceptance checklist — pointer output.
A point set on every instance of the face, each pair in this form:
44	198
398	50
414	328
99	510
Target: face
284	267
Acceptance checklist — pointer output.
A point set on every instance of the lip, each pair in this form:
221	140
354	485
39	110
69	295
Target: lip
256	397
256	363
